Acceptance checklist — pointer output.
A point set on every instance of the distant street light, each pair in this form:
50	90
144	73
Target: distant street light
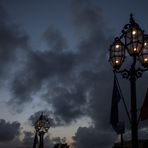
134	42
41	127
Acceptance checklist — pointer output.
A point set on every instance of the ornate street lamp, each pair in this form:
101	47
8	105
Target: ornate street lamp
41	126
134	42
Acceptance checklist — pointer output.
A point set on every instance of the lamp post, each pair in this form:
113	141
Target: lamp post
41	127
132	42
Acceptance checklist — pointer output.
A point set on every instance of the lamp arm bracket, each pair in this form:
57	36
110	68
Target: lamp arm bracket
126	27
140	71
125	73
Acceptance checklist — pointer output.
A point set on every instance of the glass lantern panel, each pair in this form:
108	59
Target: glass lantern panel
134	40
117	53
116	62
144	57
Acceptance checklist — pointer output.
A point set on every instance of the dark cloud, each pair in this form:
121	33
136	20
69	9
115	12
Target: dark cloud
55	39
90	137
3	15
70	100
9	135
94	75
87	16
8	131
58	118
39	69
68	105
13	44
11	39
73	79
68	68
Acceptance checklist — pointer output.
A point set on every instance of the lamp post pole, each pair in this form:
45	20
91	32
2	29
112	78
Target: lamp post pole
41	135
134	123
136	45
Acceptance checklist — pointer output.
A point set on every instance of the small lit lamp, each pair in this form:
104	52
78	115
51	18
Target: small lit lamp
41	126
144	52
133	38
117	53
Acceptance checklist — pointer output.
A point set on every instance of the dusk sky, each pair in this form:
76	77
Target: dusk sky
54	59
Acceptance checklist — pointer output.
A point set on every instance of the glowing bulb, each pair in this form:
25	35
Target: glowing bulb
145	59
145	43
135	49
134	32
117	61
117	46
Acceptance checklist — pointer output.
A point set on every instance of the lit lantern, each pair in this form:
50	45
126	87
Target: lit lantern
117	53
144	52
133	38
42	124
